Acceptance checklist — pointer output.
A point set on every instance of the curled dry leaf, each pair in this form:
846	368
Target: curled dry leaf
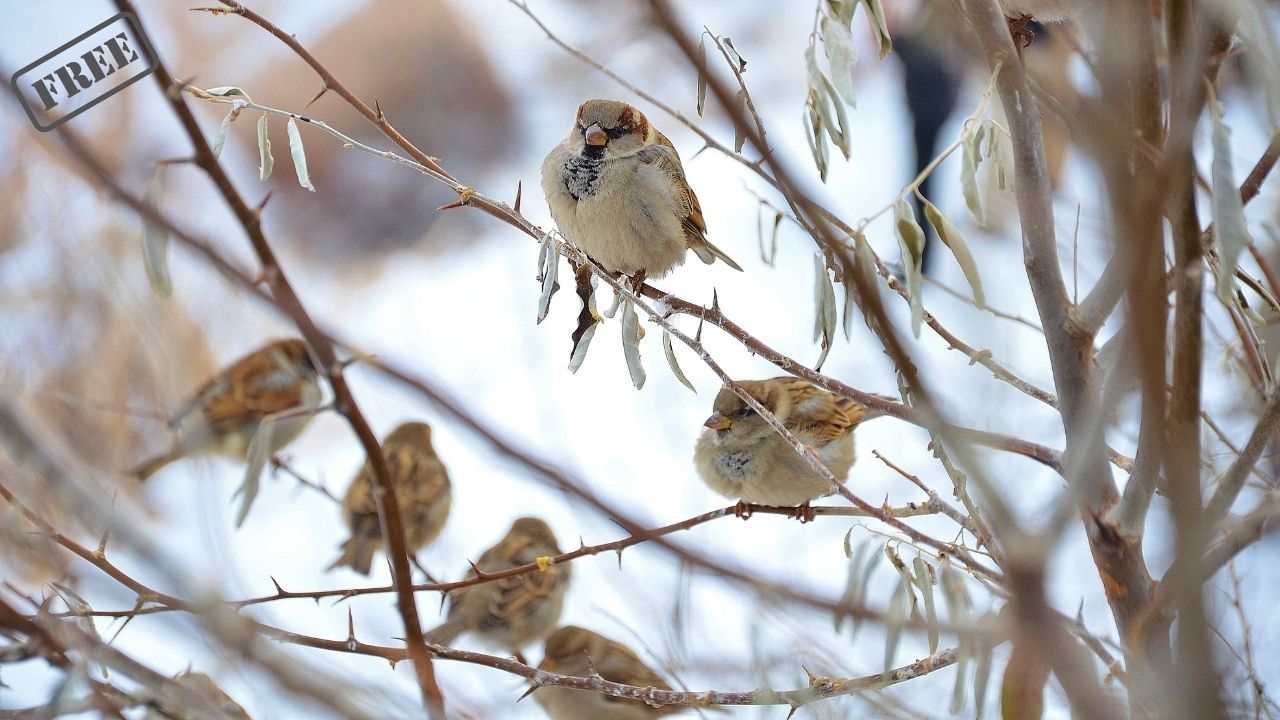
824	312
299	156
220	139
588	318
265	161
954	240
837	42
228	91
971	158
548	269
924	581
671	361
702	74
880	26
631	334
911	239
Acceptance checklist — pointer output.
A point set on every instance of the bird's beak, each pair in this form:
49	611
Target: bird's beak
718	422
596	136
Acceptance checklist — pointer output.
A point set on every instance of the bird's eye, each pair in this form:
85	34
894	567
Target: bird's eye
616	132
744	412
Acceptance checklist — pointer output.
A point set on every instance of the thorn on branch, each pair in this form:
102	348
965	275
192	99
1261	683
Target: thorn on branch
262	204
279	590
352	644
377	112
519	196
536	684
324	88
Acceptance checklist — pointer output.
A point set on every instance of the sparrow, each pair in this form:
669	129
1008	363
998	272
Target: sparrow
617	191
740	455
514	611
576	651
223	416
204	686
422	489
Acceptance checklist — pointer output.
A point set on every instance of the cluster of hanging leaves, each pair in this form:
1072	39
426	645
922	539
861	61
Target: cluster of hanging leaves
155	241
911	236
590	318
825	117
915	597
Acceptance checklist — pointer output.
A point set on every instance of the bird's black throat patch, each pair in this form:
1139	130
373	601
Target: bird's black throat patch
582	172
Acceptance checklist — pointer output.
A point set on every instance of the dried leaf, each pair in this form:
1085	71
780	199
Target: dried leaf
864	262
813	134
839	131
971	158
894	619
265	161
299	156
581	342
155	241
981	678
588	318
925	583
259	453
702	77
954	240
837	42
880	26
734	57
739	127
958	606
221	138
911	239
1230	233
852	588
815	106
773	240
824	314
671	361
631	334
549	267
229	91
842	10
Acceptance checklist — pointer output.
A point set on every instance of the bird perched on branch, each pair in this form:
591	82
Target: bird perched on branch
276	383
617	190
578	652
514	611
740	455
423	493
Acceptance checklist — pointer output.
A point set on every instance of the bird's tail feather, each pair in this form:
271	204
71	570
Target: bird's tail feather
357	554
708	254
444	633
